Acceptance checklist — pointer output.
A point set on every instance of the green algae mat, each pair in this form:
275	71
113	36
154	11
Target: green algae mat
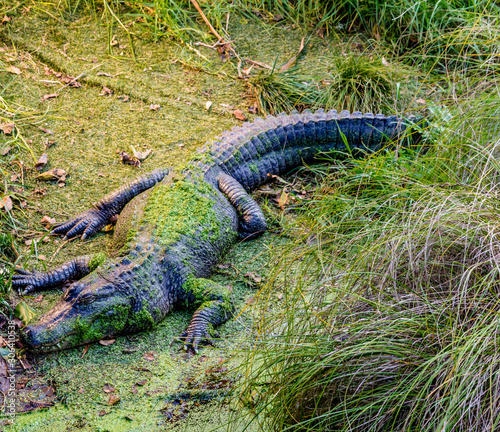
88	109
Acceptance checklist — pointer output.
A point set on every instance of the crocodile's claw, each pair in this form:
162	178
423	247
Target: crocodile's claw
193	336
30	281
86	223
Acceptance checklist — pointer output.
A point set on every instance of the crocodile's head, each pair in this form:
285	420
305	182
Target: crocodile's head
86	313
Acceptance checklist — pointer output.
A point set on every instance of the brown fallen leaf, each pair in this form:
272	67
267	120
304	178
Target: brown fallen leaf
239	115
141	155
6	19
108	388
133	389
52	174
80	390
283	200
420	101
102	413
14	70
107	342
131	160
42	161
42	257
47	131
49	96
253	279
7	128
105	91
141	383
6	202
48	221
113	399
5	151
38	298
150	355
154	107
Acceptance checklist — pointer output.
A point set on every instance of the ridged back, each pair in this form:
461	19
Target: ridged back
277	144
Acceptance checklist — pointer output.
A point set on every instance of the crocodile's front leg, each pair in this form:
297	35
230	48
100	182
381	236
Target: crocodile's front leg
90	221
215	308
75	269
252	220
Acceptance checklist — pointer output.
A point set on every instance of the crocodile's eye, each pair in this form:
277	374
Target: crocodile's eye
86	298
73	291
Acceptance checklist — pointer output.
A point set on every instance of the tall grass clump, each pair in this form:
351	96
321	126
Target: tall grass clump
391	293
359	82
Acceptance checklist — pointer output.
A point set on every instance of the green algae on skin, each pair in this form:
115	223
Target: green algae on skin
97	260
190	208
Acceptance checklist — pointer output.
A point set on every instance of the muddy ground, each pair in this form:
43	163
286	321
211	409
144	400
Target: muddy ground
158	103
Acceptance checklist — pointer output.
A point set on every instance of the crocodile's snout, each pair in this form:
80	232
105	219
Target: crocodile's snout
83	315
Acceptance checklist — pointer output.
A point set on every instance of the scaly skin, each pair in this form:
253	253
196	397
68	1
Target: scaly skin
176	224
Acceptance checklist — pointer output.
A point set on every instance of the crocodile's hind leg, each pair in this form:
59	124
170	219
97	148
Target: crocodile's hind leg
252	220
75	269
214	308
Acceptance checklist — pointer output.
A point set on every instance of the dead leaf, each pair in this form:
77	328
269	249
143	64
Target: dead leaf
292	61
154	107
131	160
108	388
133	389
150	355
85	350
105	91
53	174
124	98
253	279
385	62
6	19
107	342
5	150
38	298
252	110
141	383
80	390
7	203
47	131
239	115
14	70
421	101
140	155
49	96
102	413
278	18
42	161
113	399
7	128
42	257
208	105
283	200
48	221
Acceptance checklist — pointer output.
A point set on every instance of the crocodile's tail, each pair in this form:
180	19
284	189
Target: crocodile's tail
277	144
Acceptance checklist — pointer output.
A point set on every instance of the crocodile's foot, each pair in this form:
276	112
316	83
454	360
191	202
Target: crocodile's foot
86	223
196	335
29	280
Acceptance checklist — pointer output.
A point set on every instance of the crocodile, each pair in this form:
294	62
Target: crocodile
175	224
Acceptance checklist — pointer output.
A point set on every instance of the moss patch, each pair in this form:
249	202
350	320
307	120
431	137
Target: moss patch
180	208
